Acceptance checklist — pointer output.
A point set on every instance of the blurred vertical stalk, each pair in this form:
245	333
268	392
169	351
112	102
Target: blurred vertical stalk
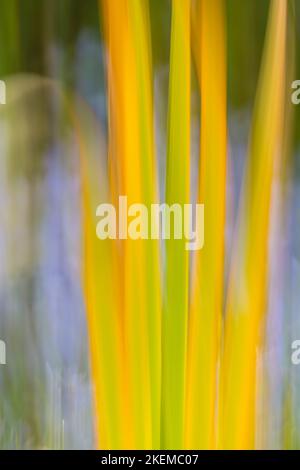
152	303
175	311
133	174
100	288
207	289
246	302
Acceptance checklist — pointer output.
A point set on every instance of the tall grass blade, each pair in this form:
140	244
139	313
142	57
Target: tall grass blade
134	175
207	289
175	312
246	303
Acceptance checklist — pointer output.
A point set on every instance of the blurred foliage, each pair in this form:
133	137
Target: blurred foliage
62	40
